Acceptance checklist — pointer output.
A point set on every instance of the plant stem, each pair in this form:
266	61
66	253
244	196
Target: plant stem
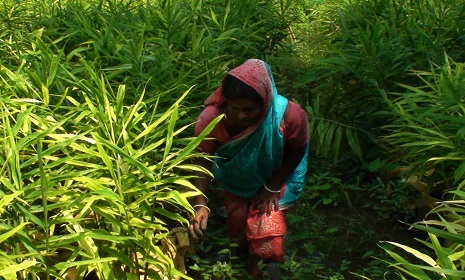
43	187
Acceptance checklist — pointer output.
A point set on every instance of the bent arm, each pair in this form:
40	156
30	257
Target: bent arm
295	147
202	181
292	158
267	198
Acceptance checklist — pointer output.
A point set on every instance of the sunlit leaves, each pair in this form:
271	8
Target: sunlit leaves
93	166
429	128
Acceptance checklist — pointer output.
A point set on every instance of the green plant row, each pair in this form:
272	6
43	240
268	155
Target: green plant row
384	84
98	99
95	186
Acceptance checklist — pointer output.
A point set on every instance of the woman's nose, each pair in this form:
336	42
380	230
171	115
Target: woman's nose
242	115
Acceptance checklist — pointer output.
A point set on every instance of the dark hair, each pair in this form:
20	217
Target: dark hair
235	88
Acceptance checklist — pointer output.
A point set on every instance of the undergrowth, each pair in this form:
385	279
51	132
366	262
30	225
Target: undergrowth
334	232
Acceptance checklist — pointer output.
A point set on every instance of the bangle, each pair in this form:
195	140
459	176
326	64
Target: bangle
272	191
202	205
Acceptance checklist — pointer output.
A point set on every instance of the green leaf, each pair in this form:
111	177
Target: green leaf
92	262
194	143
169	135
411	270
352	139
416	253
10	272
459	173
141	167
171	215
8	198
454	237
11	232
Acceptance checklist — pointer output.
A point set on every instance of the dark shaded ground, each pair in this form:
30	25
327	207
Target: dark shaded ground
345	241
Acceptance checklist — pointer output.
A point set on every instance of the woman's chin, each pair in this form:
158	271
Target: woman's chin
245	125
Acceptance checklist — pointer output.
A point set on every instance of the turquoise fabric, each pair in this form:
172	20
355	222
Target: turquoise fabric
295	182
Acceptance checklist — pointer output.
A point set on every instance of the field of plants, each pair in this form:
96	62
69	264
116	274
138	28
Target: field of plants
98	99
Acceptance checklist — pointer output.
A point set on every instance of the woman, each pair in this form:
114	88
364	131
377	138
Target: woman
260	149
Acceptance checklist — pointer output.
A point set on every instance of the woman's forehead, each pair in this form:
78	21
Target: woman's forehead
243	103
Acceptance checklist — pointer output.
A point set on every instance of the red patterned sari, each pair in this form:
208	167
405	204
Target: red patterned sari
265	234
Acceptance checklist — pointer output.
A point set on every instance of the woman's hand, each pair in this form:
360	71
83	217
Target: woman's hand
199	223
266	201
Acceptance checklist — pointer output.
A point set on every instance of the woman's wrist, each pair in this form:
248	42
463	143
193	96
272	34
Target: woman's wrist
271	190
201	199
201	202
197	206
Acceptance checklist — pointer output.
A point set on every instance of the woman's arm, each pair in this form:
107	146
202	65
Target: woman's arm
202	182
296	137
266	200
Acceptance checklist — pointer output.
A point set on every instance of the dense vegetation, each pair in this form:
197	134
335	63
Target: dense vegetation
97	102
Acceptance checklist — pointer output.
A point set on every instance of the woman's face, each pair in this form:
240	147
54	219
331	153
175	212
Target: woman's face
244	111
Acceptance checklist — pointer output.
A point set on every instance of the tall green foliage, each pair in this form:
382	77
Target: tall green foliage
362	47
97	181
97	105
382	81
428	132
